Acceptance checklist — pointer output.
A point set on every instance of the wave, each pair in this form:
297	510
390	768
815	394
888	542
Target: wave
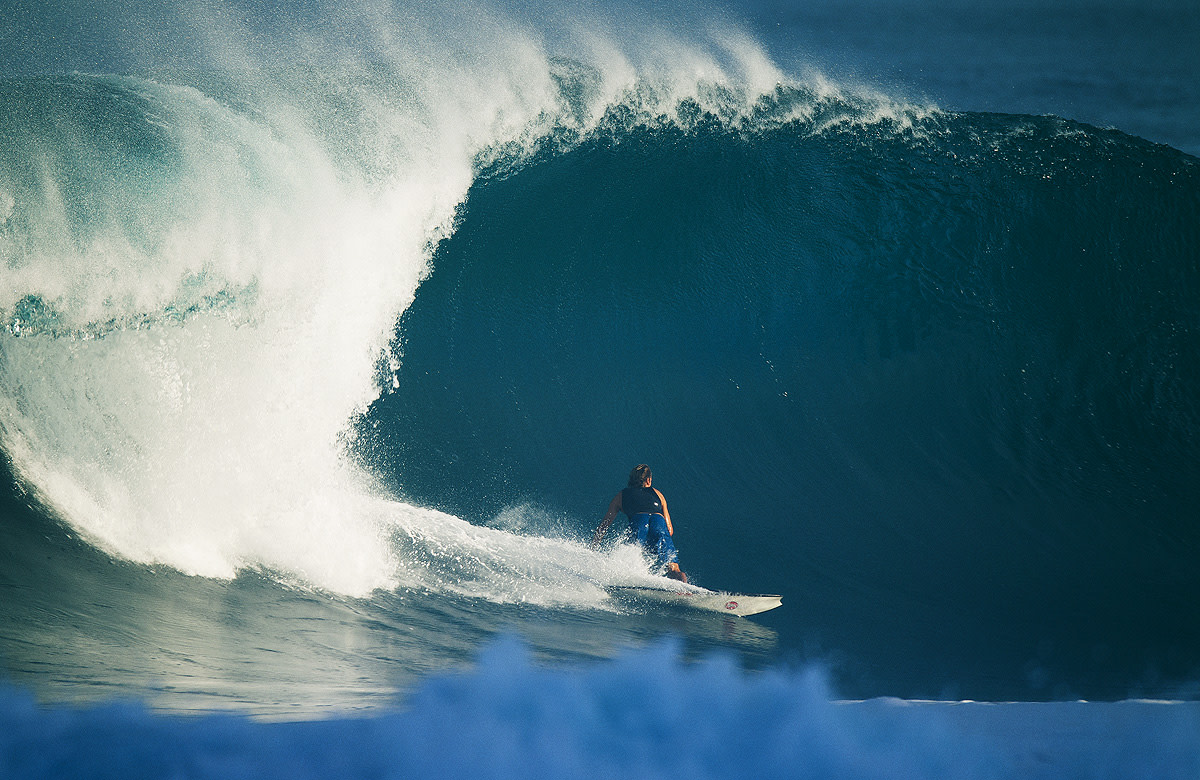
925	369
635	716
201	270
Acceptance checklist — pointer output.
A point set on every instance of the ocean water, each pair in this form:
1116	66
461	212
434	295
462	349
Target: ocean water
329	331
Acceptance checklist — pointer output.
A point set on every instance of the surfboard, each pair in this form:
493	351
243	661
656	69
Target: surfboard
695	597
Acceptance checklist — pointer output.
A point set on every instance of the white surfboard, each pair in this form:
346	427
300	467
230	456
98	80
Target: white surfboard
700	598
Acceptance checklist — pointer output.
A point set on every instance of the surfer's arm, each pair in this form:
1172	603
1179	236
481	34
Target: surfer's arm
666	514
609	516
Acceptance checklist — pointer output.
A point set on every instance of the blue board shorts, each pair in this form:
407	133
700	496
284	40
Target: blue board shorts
650	531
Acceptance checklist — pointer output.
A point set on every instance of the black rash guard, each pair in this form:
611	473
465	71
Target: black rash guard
640	500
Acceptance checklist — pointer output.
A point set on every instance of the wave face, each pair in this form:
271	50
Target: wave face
358	328
935	378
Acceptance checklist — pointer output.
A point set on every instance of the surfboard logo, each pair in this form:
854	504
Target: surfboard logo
731	605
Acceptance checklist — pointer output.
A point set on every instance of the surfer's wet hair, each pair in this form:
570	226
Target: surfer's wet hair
639	475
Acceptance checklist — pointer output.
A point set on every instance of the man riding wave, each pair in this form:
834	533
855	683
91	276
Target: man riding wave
649	521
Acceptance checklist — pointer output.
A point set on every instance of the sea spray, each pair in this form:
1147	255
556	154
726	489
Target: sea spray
180	394
642	715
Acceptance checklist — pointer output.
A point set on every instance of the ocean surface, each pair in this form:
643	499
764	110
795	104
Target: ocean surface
329	331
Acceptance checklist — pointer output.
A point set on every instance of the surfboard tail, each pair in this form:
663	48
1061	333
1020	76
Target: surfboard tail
702	599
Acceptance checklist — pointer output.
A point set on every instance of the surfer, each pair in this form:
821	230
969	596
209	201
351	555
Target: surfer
649	520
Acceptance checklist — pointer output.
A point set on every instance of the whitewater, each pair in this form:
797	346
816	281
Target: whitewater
329	331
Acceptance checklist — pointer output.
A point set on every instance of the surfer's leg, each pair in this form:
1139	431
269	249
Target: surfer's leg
659	542
660	545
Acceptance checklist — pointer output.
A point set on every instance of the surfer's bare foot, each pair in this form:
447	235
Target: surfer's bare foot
675	573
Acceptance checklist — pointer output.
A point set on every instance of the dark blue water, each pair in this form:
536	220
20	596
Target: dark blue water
934	382
329	335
